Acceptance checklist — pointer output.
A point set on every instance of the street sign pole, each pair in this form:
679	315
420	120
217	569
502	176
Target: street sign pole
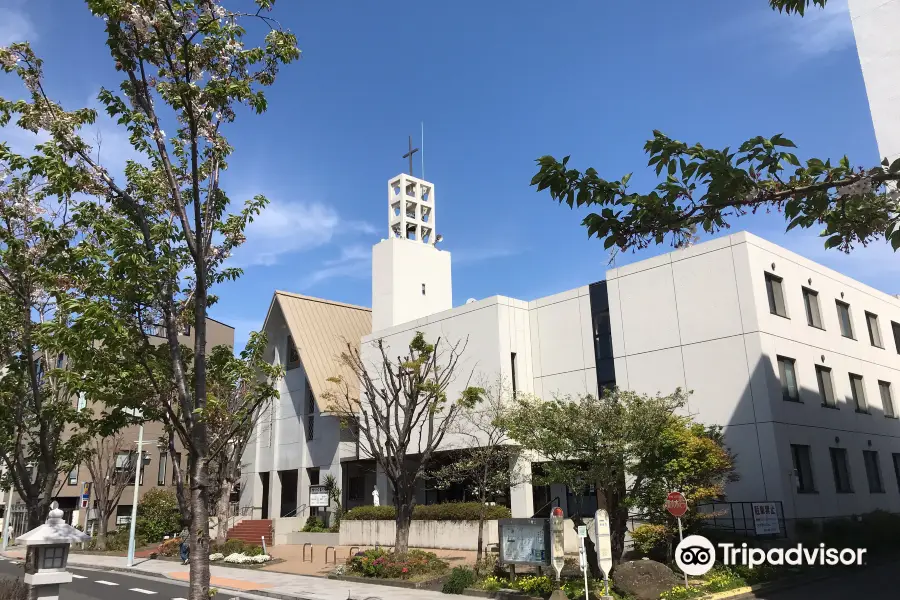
676	504
134	502
7	516
582	556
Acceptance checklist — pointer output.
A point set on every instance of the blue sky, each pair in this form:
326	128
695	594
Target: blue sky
497	85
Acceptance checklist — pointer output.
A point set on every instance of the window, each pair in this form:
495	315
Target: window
843	310
293	355
73	476
803	467
126	461
161	478
512	358
826	386
789	391
874	330
896	457
82	401
895	328
811	302
602	335
60	360
841	470
776	295
53	557
857	388
357	488
887	401
873	472
310	412
176	460
123	514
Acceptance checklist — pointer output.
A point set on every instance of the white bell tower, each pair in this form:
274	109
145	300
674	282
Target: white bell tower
410	276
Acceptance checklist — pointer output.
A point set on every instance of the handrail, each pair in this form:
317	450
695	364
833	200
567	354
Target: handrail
294	512
556	500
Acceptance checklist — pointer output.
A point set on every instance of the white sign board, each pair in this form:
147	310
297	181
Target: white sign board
603	541
765	518
582	531
524	543
318	496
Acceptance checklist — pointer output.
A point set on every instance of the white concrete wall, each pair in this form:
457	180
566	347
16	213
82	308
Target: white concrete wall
399	269
451	535
699	319
562	344
875	27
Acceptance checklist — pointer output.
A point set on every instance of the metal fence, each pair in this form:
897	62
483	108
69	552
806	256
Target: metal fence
18	521
739	518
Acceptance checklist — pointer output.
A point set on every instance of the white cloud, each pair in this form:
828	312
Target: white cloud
477	255
288	227
822	30
354	261
15	25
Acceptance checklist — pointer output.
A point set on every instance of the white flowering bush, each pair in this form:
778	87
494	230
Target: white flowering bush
239	558
216	556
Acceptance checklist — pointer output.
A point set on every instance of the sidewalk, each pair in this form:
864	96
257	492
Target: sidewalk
253	581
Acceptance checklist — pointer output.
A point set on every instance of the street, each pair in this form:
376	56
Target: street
869	583
106	585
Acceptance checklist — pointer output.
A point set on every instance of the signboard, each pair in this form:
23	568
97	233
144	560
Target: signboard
765	518
582	531
524	542
318	496
603	541
85	494
676	504
557	543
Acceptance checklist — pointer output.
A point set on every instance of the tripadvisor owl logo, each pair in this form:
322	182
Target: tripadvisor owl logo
696	555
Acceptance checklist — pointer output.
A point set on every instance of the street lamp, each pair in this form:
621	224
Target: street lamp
137	485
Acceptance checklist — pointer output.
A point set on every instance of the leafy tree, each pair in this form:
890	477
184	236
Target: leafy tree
402	412
110	477
239	389
623	443
334	495
158	515
485	464
706	188
163	231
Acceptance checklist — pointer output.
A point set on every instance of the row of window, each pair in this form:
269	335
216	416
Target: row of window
790	391
775	292
840	469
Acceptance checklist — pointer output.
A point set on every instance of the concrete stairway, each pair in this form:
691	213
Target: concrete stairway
252	531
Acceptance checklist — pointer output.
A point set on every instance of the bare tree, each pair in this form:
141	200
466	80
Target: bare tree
111	464
486	464
403	413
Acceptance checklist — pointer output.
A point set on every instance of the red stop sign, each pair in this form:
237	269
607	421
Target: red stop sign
676	504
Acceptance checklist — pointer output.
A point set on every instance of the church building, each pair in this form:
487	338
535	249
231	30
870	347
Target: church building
799	364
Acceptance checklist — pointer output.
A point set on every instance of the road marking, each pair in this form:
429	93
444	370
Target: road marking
101	582
78	576
179	598
141	591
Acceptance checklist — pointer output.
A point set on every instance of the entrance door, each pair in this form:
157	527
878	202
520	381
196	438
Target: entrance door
288	493
264	482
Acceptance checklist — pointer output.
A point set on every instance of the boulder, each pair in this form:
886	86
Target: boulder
644	579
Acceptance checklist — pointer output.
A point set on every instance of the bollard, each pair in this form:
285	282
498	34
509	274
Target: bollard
333	555
303	559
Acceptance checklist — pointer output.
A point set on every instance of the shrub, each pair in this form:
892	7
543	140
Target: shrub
13	589
382	564
246	559
314	525
117	541
723	579
216	556
535	585
492	583
460	579
652	540
450	511
679	592
169	547
158	515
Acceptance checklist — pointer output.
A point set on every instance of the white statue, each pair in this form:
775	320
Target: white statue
375	501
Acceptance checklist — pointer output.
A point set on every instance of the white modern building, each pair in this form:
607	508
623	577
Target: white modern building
798	363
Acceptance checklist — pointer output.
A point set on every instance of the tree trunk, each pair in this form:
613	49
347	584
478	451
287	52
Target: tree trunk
199	532
618	524
222	512
102	528
403	502
34	512
480	553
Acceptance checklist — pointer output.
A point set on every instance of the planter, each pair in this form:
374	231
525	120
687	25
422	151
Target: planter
449	535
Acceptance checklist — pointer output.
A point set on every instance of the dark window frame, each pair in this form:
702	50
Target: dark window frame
840	304
783	362
873	468
887	404
862	408
841	453
799	452
874	331
820	379
775	295
810	300
161	471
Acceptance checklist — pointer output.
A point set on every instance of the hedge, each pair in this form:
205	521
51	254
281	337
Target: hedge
451	511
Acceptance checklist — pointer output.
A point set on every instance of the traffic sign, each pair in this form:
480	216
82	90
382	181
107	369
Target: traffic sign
582	531
676	504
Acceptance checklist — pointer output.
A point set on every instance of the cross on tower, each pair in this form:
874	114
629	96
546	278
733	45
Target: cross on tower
410	155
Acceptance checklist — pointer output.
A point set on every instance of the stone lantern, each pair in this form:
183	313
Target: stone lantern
47	554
